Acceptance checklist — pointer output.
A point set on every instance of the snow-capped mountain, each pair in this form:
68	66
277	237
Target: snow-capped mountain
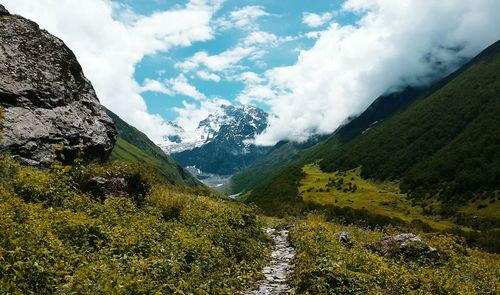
247	121
221	143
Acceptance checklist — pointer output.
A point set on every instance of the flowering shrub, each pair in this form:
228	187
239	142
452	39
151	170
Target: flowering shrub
55	237
324	265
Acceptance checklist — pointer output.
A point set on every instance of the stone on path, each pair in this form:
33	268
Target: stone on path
279	268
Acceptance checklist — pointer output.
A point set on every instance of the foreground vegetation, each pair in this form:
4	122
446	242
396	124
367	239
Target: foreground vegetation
327	265
62	233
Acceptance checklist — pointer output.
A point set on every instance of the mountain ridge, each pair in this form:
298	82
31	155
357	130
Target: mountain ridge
224	144
480	74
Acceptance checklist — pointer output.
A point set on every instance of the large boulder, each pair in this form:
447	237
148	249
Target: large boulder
407	245
45	100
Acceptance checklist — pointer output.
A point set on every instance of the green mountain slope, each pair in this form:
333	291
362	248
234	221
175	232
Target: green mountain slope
445	142
135	147
260	171
289	152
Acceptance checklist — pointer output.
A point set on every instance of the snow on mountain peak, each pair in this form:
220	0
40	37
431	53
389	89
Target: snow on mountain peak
236	123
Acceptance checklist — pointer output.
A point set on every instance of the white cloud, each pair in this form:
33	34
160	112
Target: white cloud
218	62
191	114
155	86
110	40
260	37
313	34
181	85
256	93
314	20
173	86
243	18
395	43
250	78
252	47
204	75
255	90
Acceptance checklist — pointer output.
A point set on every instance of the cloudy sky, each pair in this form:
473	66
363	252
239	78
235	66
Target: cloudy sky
310	63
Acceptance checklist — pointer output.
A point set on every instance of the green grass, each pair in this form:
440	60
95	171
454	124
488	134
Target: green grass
263	169
324	265
134	146
168	170
130	153
59	237
488	208
382	197
446	143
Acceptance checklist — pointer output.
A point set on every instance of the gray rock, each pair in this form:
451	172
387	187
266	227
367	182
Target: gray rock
46	99
407	245
407	237
102	188
344	237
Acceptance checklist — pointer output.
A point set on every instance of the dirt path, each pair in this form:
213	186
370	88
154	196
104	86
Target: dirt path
280	267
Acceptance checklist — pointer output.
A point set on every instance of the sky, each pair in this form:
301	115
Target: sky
310	64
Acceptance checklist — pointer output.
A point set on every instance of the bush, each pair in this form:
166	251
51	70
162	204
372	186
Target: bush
55	237
325	266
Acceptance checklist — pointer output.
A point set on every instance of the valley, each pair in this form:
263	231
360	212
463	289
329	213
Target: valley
398	193
214	181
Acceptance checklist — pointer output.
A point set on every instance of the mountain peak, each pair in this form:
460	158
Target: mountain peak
225	134
240	123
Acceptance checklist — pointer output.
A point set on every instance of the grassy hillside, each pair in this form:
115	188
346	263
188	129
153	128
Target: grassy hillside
442	149
63	231
380	110
273	180
446	144
349	189
260	171
447	141
134	146
287	152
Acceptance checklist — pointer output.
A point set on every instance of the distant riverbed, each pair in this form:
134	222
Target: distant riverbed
215	181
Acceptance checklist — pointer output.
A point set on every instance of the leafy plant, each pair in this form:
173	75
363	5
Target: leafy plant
324	265
56	238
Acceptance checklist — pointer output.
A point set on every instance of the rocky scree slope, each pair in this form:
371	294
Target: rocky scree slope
46	99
